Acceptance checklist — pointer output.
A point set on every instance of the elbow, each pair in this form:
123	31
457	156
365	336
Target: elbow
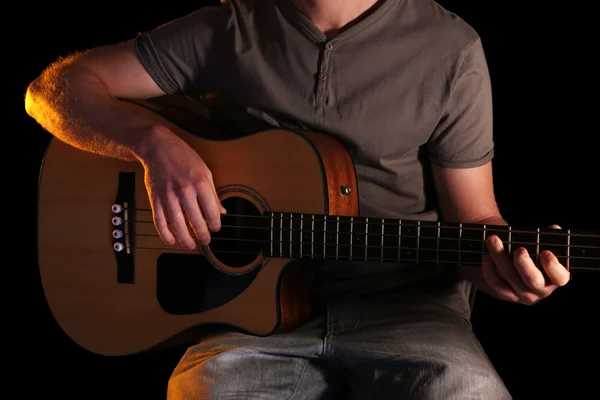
45	93
40	102
32	97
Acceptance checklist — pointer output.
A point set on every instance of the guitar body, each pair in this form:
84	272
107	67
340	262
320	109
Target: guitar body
148	295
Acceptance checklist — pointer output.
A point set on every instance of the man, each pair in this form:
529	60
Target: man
404	85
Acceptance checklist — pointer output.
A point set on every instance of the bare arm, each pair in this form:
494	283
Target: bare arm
467	195
75	100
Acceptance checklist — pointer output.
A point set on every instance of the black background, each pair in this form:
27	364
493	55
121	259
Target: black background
540	58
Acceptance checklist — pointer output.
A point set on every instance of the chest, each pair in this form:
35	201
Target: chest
381	100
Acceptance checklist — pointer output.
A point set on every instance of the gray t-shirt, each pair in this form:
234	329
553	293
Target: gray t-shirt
406	86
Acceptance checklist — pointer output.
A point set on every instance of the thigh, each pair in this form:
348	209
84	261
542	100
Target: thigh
415	346
239	366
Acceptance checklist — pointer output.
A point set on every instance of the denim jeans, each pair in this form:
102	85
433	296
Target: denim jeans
415	343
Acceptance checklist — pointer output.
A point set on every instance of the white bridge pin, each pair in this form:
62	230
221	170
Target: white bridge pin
118	246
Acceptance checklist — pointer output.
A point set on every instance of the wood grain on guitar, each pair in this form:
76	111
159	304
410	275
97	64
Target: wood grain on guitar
115	288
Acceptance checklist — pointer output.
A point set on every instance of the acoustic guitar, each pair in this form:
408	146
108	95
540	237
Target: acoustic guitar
292	198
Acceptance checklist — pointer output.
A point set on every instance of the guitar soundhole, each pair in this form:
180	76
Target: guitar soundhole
244	233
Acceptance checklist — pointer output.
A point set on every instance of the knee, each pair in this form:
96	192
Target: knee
199	373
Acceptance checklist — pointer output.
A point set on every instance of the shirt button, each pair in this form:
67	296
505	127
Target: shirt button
323	77
329	46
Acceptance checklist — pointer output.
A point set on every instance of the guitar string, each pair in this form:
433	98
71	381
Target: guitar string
409	224
395	236
379	248
359	234
356	246
204	251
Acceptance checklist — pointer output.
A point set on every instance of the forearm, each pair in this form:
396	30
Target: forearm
72	103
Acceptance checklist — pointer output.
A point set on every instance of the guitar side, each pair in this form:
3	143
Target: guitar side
113	302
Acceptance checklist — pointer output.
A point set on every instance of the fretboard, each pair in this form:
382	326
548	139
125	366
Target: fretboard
392	240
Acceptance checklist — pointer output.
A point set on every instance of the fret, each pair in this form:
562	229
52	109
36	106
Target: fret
287	238
374	249
366	245
409	231
556	241
330	238
358	240
471	247
428	242
418	240
291	217
306	236
281	239
483	237
351	236
319	236
526	238
568	261
344	238
275	241
272	234
281	235
502	231
302	236
460	234
510	240
437	245
399	240
449	244
325	236
312	236
390	240
537	243
381	258
337	238
296	235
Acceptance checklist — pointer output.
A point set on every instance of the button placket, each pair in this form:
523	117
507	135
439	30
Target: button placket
324	71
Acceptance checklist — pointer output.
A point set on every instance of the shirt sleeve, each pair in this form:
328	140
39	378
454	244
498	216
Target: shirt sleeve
180	55
463	137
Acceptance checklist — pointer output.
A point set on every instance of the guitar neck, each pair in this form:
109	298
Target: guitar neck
392	240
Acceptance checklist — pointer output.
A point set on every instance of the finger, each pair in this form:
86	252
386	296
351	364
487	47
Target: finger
554	226
178	224
498	285
194	216
221	208
160	222
529	272
211	207
504	265
555	271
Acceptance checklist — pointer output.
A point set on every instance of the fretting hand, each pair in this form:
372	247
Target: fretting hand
517	278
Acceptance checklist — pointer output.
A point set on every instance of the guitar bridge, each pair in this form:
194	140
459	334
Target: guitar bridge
123	222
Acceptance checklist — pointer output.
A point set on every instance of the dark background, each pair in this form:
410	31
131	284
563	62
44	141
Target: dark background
540	59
